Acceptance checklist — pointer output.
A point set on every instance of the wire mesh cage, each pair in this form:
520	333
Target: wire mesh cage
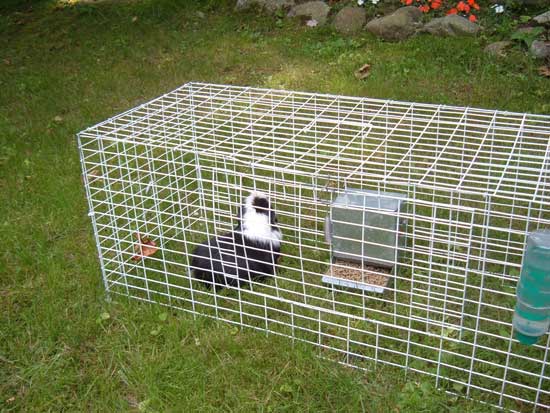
403	225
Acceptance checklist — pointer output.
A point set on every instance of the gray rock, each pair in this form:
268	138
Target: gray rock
401	24
270	6
525	30
543	18
316	10
350	20
497	48
452	25
540	49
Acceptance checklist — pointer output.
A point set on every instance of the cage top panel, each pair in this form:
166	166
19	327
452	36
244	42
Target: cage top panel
350	139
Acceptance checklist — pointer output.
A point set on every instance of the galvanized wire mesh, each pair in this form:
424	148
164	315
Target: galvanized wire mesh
474	184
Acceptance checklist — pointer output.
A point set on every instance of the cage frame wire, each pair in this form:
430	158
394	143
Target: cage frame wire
476	182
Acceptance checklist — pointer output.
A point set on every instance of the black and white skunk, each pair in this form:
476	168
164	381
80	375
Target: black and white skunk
248	253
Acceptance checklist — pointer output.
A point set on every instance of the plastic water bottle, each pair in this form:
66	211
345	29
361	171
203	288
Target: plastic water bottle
532	314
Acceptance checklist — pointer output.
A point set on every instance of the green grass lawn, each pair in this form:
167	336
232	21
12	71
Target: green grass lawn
65	66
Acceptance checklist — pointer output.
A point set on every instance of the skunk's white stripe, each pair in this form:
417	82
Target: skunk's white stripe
257	226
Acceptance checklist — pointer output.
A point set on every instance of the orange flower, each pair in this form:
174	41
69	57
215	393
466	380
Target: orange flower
408	2
472	18
452	11
436	5
475	6
424	8
471	2
461	6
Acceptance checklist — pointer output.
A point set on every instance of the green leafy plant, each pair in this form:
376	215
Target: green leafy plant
420	397
527	36
524	19
104	316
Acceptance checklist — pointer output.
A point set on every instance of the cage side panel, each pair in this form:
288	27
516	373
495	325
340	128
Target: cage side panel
141	192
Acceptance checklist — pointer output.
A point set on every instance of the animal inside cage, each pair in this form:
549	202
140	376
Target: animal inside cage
403	224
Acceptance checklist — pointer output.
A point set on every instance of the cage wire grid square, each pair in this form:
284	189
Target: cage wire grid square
471	183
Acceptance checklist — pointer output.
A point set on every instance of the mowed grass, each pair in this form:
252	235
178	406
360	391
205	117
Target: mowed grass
67	65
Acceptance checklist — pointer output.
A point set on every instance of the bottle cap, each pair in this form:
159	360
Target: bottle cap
525	339
541	238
